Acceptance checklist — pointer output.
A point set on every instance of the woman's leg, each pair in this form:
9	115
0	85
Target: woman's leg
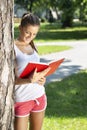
21	123
36	120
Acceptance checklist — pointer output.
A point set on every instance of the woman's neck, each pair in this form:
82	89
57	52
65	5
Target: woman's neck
20	42
25	48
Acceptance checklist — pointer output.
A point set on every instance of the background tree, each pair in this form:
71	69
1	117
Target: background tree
82	6
67	7
54	4
6	65
28	4
46	6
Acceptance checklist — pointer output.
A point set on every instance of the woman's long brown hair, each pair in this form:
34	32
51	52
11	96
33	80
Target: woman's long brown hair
30	19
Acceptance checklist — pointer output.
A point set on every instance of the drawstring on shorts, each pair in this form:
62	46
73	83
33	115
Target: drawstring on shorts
37	102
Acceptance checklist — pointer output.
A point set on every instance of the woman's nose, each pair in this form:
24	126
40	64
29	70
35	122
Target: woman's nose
30	35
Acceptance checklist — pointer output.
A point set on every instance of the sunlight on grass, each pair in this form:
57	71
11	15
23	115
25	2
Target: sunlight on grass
65	123
68	29
50	49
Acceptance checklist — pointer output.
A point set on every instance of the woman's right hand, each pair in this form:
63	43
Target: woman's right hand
36	76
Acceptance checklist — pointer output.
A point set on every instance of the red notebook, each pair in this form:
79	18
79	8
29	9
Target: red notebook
40	67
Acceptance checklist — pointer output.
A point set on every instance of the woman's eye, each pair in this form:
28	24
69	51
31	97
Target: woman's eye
34	34
27	32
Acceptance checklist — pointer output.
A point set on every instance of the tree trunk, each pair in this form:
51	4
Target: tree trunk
56	9
6	65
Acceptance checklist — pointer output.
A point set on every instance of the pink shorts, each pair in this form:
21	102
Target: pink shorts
25	108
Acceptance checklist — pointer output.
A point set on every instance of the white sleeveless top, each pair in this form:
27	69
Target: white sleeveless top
29	91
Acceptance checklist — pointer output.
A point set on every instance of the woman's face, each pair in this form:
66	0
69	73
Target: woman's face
28	33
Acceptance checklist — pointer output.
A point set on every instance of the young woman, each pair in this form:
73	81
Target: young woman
30	97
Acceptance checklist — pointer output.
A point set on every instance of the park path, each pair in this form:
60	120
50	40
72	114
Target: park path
75	59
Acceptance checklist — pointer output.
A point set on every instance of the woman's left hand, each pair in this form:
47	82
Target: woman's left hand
41	81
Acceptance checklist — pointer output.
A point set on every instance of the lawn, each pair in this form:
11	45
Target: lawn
53	32
67	103
52	48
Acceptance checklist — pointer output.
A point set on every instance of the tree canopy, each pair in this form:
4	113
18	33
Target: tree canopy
67	7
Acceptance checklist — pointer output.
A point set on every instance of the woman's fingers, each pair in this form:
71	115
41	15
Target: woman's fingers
41	81
44	72
36	76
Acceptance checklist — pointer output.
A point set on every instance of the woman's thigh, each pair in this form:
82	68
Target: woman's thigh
21	123
36	120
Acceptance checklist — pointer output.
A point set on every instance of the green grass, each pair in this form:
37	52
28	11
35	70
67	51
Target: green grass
67	103
50	49
54	32
65	124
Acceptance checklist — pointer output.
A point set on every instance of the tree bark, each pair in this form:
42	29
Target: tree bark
6	65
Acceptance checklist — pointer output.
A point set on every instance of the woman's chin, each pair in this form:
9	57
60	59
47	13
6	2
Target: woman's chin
27	41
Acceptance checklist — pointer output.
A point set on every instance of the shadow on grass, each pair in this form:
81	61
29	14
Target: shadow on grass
64	70
62	35
68	97
57	25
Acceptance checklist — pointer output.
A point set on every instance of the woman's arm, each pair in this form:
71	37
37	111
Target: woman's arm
34	77
37	77
19	81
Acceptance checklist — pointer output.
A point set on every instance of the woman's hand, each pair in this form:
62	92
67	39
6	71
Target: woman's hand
38	76
42	81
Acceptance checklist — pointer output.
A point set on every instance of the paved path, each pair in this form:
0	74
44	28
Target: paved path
75	59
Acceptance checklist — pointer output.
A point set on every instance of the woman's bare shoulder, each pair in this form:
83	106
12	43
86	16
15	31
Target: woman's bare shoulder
15	42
